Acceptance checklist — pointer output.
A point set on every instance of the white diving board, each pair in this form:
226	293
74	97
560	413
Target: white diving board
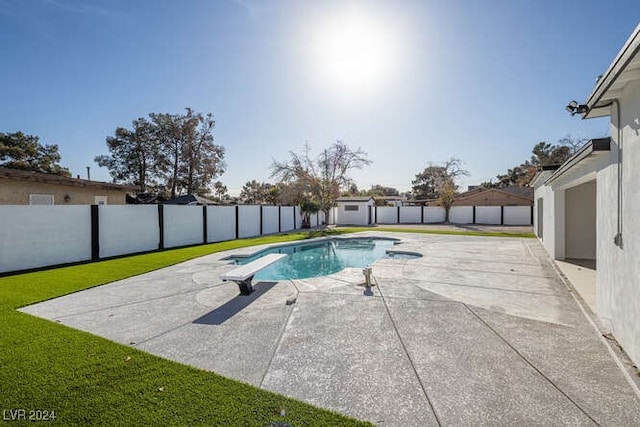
243	275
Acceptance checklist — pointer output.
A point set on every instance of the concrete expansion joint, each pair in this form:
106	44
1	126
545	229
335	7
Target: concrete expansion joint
280	336
528	362
406	352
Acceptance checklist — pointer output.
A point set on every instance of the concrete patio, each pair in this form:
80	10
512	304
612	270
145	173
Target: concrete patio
480	330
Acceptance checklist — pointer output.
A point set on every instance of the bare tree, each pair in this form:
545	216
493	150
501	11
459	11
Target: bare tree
321	178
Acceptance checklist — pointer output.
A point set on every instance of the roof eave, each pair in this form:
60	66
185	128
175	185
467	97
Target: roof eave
594	146
597	101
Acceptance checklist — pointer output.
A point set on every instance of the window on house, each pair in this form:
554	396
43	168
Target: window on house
41	199
351	207
101	200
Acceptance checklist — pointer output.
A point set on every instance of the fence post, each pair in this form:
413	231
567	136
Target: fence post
204	224
375	214
501	215
531	214
160	226
474	215
294	217
421	214
279	219
95	233
237	222
398	215
261	220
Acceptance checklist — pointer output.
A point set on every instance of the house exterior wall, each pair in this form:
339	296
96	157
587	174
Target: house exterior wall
16	192
618	286
580	221
618	268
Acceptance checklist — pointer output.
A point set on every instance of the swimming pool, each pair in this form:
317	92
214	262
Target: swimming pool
321	258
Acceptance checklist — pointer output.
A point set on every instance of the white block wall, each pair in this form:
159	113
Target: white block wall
269	219
410	214
127	229
517	215
183	225
434	214
387	215
461	214
249	221
286	219
488	215
38	236
221	223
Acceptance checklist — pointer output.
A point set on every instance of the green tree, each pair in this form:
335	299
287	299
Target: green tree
381	191
253	192
321	178
542	154
220	190
308	207
167	151
429	183
133	156
20	151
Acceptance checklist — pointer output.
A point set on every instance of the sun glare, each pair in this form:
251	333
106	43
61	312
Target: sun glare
352	52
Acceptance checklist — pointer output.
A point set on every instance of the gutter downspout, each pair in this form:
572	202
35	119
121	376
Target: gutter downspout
617	240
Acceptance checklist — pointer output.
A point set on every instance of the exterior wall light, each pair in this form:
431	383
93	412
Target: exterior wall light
574	108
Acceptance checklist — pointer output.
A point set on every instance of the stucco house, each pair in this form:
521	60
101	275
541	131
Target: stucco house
589	208
354	210
18	187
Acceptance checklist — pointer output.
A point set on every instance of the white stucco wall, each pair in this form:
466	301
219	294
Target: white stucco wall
270	219
517	215
410	214
286	218
182	225
434	214
128	229
387	215
221	223
545	192
248	220
488	215
461	214
359	217
618	275
580	221
37	236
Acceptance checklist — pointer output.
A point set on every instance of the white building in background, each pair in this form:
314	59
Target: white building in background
589	208
354	210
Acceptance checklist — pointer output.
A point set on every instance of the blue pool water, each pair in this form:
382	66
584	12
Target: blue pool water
322	258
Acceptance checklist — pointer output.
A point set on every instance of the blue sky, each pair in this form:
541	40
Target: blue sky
411	82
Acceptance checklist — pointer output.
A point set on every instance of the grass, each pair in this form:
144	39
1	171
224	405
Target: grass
86	379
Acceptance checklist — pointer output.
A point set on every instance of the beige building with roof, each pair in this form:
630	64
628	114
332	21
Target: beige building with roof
18	187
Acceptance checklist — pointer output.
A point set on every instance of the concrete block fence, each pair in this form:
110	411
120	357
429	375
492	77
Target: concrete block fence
498	215
42	236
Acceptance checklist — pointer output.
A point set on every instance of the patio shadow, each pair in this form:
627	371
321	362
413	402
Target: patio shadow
232	307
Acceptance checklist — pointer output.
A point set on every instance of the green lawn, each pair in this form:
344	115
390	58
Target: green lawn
86	379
